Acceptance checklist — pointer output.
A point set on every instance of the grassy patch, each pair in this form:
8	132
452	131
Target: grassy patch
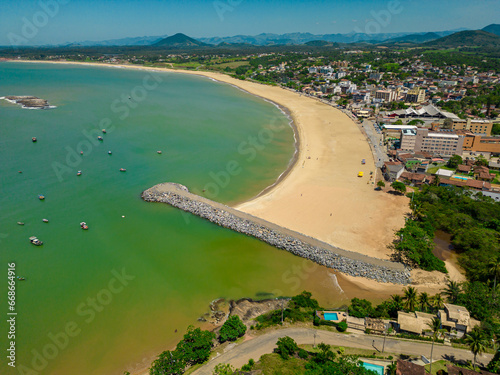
436	366
232	65
272	364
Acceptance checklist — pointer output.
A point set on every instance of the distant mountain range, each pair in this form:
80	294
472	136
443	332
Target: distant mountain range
179	40
476	38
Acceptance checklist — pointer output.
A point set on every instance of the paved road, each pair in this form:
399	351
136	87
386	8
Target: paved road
375	139
238	355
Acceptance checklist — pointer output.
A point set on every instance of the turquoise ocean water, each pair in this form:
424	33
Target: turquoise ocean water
105	300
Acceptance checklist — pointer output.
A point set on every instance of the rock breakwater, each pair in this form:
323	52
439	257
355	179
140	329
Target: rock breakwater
347	262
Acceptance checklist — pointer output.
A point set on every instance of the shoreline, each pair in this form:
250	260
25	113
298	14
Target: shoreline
321	177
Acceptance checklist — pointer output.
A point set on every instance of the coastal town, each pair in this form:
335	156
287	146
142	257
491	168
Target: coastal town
273	204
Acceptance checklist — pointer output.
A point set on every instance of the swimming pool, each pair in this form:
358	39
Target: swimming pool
331	316
376	368
460	178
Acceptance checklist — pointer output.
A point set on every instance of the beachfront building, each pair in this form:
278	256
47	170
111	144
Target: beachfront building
385	96
392	170
482	127
414	322
444	143
415	95
408	138
361	96
479	143
457	319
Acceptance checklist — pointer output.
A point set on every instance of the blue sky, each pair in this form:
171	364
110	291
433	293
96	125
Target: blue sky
61	21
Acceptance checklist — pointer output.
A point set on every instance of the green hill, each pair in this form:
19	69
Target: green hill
413	38
494	28
179	41
469	38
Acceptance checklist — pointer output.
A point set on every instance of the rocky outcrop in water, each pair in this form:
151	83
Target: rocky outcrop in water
350	263
30	102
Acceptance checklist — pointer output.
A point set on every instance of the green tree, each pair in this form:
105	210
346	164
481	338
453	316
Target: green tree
423	301
452	291
494	269
223	369
360	308
399	187
391	369
410	298
232	329
437	301
477	342
325	353
304	300
381	183
454	161
196	345
168	363
286	347
494	365
435	326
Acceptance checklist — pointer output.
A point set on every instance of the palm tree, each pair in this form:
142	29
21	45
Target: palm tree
437	301
410	298
452	291
494	269
435	326
423	300
477	342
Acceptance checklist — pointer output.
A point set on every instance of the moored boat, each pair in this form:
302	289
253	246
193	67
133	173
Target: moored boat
123	170
109	152
84	225
20	223
35	241
104	131
20	278
33	139
99	138
79	173
45	220
159	152
41	197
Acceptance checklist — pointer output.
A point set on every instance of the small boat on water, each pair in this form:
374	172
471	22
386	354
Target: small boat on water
41	197
159	152
109	152
79	173
35	241
33	139
20	223
45	220
123	170
104	131
84	225
20	278
99	138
